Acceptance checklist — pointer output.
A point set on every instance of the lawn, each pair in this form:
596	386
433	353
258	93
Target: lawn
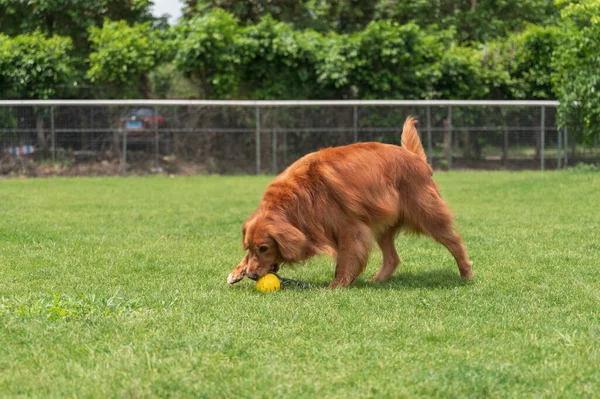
115	287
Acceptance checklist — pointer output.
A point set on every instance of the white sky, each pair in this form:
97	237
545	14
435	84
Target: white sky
172	7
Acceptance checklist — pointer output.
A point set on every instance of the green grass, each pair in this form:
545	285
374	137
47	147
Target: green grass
116	287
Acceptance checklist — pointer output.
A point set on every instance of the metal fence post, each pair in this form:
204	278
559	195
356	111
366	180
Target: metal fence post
449	155
558	148
429	145
52	135
285	150
565	144
257	137
274	166
124	154
156	141
543	137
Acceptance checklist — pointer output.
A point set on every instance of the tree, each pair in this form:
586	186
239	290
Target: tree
68	17
331	15
469	73
473	20
250	12
277	61
343	16
386	60
466	73
335	58
527	56
33	66
207	52
393	61
122	56
576	62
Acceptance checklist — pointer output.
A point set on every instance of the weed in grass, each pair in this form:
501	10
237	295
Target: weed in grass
64	307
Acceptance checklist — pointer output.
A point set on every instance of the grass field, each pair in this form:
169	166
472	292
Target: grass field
116	287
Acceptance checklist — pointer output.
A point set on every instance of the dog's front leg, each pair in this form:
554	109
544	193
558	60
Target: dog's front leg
354	244
239	272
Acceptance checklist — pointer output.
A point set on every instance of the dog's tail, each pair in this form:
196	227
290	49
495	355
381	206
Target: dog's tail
410	138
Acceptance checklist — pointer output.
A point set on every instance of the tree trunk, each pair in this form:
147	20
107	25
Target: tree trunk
144	88
39	127
206	86
447	143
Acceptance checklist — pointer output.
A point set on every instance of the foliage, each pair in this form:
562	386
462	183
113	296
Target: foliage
34	66
335	58
250	12
583	167
277	61
527	57
206	51
70	18
340	16
576	62
393	61
474	20
122	55
344	16
387	60
167	82
466	73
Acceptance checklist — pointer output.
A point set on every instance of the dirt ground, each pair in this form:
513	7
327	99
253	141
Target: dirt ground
23	166
140	165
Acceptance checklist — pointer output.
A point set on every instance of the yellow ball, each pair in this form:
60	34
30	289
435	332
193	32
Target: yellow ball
267	283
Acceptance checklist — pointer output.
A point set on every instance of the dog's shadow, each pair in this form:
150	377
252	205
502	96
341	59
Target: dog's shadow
434	279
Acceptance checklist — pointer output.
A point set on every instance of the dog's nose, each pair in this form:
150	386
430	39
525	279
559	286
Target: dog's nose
252	276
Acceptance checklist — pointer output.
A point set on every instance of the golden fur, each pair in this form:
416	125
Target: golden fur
336	201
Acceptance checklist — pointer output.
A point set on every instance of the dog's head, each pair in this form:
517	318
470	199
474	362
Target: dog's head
269	242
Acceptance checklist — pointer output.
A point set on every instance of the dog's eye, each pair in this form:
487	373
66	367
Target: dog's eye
263	249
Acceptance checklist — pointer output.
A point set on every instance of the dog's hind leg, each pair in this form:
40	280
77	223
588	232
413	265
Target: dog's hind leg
437	221
353	245
390	256
456	247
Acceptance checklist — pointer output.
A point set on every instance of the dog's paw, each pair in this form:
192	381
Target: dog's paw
376	279
467	272
234	278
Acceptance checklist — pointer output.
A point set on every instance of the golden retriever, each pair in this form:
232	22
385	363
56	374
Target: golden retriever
337	200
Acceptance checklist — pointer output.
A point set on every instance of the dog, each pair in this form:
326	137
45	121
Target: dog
336	201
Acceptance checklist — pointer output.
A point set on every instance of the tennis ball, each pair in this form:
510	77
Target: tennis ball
267	283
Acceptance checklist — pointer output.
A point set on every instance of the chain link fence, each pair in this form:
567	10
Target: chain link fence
241	137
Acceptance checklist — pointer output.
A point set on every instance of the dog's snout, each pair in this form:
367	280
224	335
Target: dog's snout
252	276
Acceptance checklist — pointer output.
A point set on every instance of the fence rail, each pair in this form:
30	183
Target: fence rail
279	103
267	136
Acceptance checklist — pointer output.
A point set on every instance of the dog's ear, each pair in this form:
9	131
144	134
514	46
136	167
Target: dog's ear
245	228
291	241
244	244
